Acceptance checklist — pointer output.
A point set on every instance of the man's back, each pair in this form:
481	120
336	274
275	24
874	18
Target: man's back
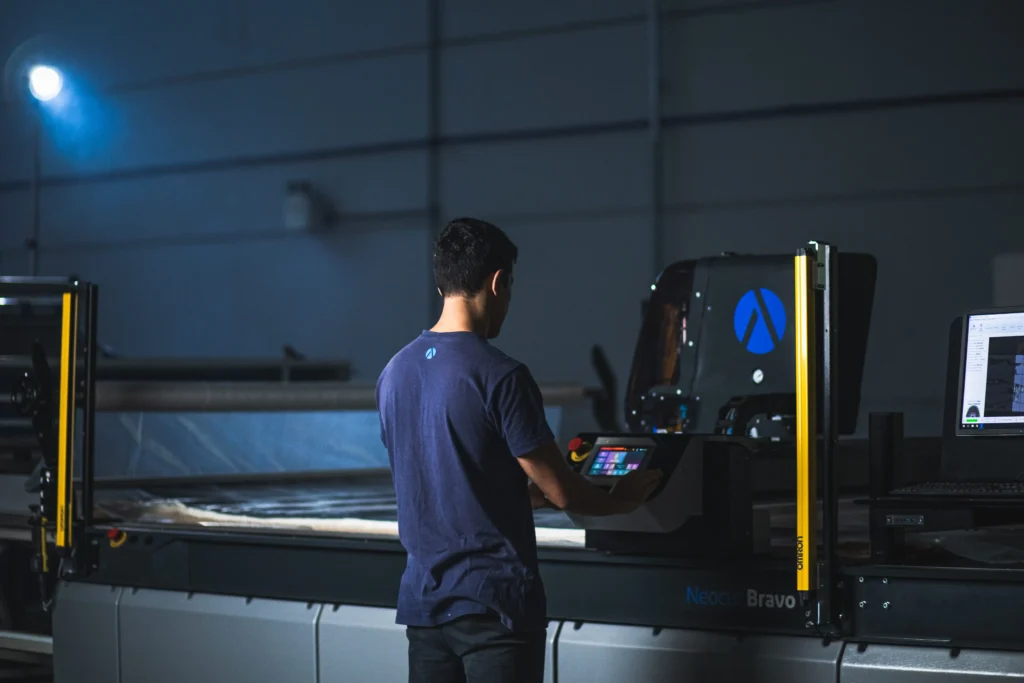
455	413
464	427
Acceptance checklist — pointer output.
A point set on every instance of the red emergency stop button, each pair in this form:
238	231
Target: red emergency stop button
116	537
579	449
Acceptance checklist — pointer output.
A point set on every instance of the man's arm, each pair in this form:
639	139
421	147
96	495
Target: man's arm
567	490
537	498
519	411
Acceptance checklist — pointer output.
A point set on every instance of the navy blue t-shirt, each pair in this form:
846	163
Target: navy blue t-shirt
455	413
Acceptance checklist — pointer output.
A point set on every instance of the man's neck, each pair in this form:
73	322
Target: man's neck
461	315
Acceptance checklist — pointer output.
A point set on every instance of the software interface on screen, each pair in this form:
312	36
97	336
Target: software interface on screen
617	461
993	381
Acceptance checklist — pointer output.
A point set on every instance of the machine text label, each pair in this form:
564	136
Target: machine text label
770	600
696	595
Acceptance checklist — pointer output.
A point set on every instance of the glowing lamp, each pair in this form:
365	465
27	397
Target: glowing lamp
44	82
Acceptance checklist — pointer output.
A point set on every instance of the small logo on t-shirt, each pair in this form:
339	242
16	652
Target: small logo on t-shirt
431	352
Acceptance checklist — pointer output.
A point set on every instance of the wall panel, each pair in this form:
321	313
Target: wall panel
15	141
285	31
906	150
124	41
287	111
585	77
1008	279
14	262
799	53
15	218
467	18
230	202
687	6
323	295
591	174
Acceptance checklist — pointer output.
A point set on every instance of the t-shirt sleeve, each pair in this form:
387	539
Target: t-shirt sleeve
519	411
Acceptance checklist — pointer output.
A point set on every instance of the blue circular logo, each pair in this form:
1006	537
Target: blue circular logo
431	352
759	320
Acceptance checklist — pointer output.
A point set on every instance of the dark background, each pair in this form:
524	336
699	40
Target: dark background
885	127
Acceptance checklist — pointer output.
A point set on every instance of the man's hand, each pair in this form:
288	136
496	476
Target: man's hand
537	498
565	489
636	487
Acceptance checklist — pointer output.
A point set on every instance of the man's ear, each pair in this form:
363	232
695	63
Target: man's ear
440	293
497	281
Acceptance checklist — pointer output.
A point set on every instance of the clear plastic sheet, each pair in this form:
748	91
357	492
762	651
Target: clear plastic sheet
361	506
145	445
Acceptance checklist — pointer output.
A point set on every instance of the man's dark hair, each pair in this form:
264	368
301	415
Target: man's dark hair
467	252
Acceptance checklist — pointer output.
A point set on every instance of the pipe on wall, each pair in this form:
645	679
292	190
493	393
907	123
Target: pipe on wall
433	154
654	130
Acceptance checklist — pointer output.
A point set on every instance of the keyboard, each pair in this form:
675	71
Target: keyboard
964	488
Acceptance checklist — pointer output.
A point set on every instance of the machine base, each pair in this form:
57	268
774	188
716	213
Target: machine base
106	634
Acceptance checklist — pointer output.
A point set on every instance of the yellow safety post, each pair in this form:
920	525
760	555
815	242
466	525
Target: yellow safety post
804	268
66	420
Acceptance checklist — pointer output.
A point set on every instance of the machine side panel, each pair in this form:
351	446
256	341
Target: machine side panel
361	644
85	634
170	637
911	664
550	665
597	653
647	591
938	608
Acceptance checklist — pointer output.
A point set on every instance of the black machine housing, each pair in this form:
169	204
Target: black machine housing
715	353
703	506
713	387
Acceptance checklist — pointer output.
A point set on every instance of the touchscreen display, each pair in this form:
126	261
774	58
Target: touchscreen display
613	461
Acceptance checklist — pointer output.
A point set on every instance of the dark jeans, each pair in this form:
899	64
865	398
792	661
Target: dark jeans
476	649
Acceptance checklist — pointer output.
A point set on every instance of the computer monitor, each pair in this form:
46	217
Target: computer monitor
991	386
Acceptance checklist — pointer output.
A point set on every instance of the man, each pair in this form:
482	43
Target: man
465	431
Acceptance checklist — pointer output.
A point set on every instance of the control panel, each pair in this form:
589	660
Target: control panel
606	459
702	505
618	460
